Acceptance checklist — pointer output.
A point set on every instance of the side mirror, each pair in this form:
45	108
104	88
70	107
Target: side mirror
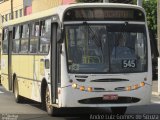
60	35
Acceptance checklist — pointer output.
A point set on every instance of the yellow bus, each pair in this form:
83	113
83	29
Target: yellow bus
79	55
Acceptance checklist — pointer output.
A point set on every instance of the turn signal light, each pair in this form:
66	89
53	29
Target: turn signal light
74	86
135	86
142	84
90	89
82	88
128	88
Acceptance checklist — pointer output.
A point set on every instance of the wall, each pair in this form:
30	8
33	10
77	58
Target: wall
40	5
68	1
5	7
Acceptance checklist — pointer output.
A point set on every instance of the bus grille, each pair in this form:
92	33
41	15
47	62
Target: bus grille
99	100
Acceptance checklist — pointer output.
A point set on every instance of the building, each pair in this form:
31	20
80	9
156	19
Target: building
40	5
20	8
25	7
5	9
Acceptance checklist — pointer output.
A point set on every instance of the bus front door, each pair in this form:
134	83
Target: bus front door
10	37
55	63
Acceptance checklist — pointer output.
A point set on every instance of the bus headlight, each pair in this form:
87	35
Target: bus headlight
74	86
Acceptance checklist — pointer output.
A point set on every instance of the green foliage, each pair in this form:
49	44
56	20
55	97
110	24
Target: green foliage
135	2
150	7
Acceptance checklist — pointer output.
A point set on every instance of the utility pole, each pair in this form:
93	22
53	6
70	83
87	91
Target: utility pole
158	24
105	1
12	10
158	40
139	2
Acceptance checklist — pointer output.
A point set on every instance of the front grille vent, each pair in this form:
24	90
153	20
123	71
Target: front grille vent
109	80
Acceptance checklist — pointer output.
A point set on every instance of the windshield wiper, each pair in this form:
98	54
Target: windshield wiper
94	36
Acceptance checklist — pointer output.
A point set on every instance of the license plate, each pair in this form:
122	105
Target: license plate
110	97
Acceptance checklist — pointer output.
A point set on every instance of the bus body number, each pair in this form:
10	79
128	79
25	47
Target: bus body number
129	63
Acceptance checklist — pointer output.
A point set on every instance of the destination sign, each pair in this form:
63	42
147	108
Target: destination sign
118	14
104	14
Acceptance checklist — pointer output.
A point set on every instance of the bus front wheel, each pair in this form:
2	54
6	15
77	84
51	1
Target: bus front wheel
18	98
118	110
50	109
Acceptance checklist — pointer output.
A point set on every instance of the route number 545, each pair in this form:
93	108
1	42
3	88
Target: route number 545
129	63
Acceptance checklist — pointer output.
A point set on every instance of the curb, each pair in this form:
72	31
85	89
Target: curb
156	93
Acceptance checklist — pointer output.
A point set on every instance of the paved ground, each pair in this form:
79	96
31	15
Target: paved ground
155	86
30	110
8	104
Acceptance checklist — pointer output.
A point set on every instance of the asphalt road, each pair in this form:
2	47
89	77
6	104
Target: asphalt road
30	110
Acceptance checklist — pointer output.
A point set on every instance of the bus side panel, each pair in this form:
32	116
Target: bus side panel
29	75
15	64
22	75
34	73
4	71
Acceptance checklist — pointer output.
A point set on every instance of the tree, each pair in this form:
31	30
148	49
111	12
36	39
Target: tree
150	7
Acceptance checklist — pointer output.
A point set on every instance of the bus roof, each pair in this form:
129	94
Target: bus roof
62	8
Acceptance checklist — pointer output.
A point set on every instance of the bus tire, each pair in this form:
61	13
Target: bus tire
18	98
49	108
118	110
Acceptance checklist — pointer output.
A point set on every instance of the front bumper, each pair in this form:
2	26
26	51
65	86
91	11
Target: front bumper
70	97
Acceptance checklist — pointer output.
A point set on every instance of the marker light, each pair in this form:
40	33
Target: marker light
82	88
74	86
71	81
145	79
135	86
90	89
142	84
128	88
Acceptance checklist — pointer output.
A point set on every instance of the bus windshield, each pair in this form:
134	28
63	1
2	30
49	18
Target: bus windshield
106	48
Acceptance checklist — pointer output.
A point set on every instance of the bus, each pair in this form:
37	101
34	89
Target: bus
69	56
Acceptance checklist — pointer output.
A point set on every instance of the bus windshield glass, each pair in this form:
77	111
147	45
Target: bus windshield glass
106	48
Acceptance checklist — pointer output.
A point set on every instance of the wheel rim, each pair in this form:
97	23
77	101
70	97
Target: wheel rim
47	98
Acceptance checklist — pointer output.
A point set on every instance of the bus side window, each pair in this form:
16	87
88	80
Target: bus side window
25	38
16	39
5	41
45	36
34	37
